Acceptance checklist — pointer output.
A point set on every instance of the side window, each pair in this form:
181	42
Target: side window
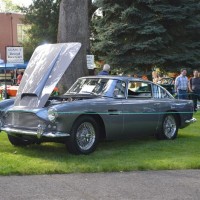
139	89
159	93
119	91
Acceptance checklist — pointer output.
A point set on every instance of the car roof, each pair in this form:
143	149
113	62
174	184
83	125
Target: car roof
122	78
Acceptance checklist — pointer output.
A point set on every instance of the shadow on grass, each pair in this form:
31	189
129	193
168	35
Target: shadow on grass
55	151
51	151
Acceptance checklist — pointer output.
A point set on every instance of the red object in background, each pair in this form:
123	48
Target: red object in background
12	90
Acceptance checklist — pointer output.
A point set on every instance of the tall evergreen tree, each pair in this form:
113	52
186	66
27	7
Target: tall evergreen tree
181	19
146	33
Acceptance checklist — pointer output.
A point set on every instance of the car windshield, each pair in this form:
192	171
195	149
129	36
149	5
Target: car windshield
96	86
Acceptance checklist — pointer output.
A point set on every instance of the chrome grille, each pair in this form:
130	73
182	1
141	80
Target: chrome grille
22	119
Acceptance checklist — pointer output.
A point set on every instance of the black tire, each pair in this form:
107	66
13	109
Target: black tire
84	136
18	141
169	128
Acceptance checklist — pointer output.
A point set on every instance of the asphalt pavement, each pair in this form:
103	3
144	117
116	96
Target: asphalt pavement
137	185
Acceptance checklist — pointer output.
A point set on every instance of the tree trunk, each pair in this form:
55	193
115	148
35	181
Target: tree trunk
73	27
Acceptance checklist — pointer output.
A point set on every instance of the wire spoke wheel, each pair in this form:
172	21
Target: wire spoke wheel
169	126
85	136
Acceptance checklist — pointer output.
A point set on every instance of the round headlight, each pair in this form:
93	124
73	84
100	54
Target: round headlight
52	114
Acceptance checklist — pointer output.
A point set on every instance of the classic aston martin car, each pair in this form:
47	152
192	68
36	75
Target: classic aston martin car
94	108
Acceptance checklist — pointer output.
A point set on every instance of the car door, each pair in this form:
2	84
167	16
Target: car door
141	110
113	111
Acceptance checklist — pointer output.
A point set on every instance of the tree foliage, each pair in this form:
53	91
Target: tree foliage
146	33
42	17
8	6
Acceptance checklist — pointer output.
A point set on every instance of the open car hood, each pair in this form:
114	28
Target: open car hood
45	68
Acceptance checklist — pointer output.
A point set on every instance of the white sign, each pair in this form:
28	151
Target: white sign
90	61
15	55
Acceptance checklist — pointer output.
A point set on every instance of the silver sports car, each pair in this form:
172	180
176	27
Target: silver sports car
94	108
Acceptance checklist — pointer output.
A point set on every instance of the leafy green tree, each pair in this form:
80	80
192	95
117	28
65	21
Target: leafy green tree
147	33
42	17
8	6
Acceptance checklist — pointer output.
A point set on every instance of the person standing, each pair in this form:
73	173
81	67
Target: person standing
19	78
194	88
105	71
181	85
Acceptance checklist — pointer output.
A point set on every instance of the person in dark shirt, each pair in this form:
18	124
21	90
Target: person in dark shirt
194	88
105	71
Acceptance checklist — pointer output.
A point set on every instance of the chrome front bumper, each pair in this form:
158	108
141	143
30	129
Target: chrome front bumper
38	133
190	121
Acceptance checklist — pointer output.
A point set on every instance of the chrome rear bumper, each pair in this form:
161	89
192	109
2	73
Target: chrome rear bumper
190	121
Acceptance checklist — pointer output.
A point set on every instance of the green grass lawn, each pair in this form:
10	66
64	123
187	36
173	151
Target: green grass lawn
145	154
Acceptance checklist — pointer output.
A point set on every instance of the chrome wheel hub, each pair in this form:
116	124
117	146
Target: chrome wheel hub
169	126
85	136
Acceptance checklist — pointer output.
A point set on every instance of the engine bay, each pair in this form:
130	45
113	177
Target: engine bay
54	100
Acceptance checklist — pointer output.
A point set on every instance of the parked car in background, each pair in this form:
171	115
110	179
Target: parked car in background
168	84
94	108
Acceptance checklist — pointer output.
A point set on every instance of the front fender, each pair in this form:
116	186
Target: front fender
4	106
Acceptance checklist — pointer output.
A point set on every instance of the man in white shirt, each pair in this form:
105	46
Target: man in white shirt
181	85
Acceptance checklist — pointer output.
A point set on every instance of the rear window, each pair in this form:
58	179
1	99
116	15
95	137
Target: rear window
139	89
